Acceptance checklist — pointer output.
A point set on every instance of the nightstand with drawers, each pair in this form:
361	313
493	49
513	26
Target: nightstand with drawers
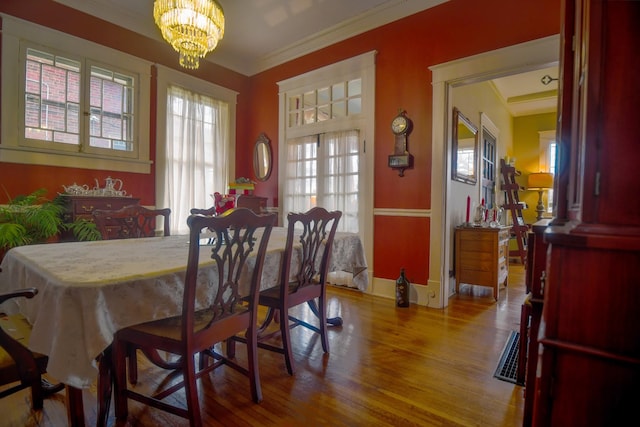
481	257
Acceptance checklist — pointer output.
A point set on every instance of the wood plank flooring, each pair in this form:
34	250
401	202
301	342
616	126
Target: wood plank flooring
413	366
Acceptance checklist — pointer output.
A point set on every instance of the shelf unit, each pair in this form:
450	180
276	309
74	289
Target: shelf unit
519	229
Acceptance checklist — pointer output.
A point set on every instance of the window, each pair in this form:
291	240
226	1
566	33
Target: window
195	150
332	102
52	98
489	136
488	168
111	112
54	101
548	153
69	107
326	117
322	170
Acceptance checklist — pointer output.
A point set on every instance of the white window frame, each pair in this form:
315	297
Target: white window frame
547	137
363	67
16	34
167	76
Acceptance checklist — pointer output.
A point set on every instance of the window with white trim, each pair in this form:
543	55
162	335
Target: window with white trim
338	100
323	170
548	153
61	112
66	107
325	118
195	152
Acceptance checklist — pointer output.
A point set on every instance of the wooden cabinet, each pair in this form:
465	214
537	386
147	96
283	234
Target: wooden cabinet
82	207
589	354
482	257
255	203
532	313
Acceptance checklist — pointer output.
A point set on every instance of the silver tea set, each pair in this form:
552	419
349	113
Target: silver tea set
112	188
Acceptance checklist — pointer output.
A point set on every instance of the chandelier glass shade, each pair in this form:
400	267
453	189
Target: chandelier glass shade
192	27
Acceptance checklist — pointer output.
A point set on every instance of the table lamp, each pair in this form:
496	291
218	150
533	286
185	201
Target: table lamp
540	181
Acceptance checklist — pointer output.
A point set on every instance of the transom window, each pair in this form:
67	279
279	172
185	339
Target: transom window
325	103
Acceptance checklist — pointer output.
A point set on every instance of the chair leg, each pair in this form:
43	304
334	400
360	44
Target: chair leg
231	347
286	341
322	318
37	396
133	365
191	392
252	362
105	386
119	366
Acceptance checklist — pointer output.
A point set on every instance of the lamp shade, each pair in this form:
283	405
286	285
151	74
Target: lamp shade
540	180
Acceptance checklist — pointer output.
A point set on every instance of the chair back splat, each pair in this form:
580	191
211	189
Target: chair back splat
309	243
131	221
219	302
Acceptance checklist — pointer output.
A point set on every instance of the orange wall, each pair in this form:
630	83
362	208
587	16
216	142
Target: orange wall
405	50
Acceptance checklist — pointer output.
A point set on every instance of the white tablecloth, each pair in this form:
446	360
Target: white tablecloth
89	290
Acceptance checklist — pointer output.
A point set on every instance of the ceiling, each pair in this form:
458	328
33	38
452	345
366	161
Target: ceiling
261	34
533	92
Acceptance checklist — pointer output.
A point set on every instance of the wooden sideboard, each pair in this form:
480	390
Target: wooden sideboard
82	207
481	257
255	203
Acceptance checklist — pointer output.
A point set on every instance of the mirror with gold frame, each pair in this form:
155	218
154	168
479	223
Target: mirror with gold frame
464	149
262	158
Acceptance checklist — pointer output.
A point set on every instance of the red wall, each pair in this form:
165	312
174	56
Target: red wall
20	179
406	49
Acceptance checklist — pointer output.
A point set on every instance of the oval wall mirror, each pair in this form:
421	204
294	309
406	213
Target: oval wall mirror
262	158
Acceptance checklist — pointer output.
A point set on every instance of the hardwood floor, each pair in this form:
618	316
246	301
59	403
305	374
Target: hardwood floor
387	366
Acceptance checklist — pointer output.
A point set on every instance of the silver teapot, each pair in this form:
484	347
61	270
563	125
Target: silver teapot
75	189
112	187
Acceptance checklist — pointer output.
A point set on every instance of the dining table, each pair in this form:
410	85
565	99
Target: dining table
89	290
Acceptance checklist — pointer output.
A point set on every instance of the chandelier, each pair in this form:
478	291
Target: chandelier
192	27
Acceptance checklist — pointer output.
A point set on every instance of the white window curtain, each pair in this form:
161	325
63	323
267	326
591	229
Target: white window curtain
196	153
323	170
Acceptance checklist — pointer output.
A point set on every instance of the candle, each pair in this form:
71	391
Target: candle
468	206
494	214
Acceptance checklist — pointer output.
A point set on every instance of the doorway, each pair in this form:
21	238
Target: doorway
507	61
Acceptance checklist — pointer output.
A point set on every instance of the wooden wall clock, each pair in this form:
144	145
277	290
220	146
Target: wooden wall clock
401	159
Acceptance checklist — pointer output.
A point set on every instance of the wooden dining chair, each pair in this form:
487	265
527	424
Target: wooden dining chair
311	247
231	286
18	364
131	221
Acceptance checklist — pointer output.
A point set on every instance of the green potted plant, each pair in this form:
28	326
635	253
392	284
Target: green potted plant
32	218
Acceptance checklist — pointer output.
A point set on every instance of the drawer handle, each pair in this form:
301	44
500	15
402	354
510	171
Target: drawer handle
89	209
109	205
